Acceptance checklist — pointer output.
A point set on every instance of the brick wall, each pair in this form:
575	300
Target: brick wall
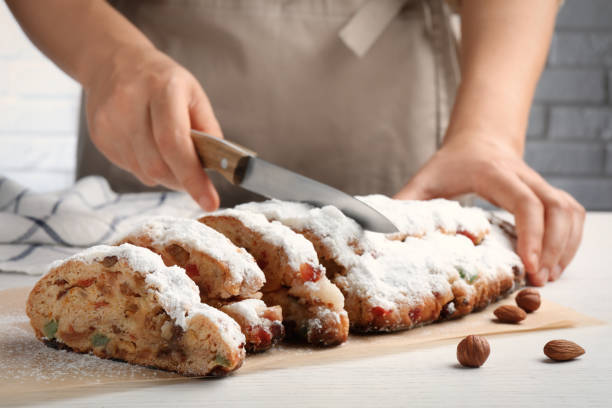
569	136
570	127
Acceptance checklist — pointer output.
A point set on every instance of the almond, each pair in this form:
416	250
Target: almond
562	350
528	299
510	314
473	351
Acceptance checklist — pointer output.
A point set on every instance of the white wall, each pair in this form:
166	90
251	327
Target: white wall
38	113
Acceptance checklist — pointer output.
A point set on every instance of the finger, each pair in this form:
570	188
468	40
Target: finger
578	216
437	179
171	131
125	158
416	189
142	147
513	195
557	215
130	164
148	156
113	138
201	113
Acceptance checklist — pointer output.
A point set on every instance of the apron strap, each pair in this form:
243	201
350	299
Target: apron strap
368	23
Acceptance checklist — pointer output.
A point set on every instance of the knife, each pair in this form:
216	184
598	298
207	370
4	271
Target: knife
241	167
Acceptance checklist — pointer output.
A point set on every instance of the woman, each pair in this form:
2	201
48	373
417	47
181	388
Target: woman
354	93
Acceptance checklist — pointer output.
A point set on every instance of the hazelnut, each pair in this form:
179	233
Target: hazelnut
473	351
528	299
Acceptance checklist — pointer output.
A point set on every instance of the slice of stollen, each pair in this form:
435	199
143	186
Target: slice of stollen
294	278
122	302
219	268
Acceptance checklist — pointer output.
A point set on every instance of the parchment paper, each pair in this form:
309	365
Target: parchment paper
27	365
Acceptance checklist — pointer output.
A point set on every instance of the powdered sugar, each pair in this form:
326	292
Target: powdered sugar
298	249
335	230
395	272
139	259
249	309
423	217
166	230
276	209
391	272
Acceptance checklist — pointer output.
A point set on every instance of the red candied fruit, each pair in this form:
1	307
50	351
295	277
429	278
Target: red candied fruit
84	283
192	271
308	273
415	315
98	305
380	311
471	236
262	336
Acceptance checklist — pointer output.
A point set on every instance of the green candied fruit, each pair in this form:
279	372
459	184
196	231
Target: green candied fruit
464	275
99	340
221	360
50	329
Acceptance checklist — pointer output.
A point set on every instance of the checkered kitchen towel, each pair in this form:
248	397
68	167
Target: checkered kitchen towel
37	228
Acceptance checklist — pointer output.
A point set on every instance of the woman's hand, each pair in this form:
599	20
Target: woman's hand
140	103
141	106
548	220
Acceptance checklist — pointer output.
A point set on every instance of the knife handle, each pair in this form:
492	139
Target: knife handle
227	158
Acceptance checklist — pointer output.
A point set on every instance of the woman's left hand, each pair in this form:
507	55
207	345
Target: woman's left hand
549	221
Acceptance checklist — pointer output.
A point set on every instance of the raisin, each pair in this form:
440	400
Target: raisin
85	283
131	307
109	261
126	290
178	253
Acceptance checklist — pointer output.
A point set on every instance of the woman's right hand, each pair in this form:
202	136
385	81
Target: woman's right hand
140	107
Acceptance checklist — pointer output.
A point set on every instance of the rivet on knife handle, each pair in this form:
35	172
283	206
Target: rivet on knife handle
227	158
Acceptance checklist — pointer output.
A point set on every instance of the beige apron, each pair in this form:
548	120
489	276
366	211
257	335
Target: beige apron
336	90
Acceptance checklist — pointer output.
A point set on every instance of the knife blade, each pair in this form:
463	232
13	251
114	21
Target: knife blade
242	167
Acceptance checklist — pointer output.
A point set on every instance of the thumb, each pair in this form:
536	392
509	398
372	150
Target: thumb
418	188
201	113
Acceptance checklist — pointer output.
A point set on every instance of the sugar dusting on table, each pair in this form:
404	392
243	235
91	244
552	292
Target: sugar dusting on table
26	360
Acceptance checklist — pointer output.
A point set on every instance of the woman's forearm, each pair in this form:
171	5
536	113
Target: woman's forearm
503	50
77	35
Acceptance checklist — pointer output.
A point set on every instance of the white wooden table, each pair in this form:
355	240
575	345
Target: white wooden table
516	374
